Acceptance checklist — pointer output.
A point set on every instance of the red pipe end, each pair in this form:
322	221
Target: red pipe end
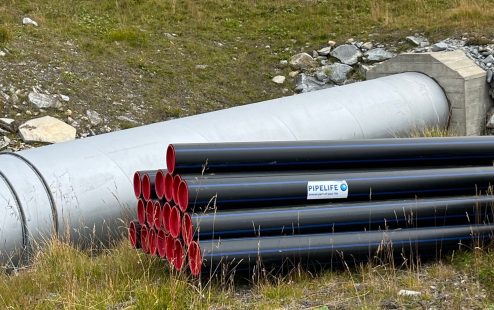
165	217
144	239
195	258
178	255
137	184
176	183
170	158
169	243
150	213
183	196
159	184
141	212
187	229
133	235
157	215
146	187
153	242
168	187
175	222
161	243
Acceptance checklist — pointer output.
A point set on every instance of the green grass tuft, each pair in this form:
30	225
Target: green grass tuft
5	36
132	36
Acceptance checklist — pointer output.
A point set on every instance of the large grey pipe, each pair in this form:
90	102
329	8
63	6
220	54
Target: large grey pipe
82	188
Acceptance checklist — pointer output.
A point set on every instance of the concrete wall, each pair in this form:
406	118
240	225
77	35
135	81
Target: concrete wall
464	84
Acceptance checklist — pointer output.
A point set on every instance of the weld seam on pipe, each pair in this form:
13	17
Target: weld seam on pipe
19	208
45	185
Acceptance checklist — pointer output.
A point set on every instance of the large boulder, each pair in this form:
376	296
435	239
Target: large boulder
302	61
46	129
347	54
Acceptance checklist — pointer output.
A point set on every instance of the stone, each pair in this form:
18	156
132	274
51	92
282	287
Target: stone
488	59
321	76
8	124
489	76
4	142
124	118
279	79
43	101
46	129
337	72
94	117
490	122
28	21
439	47
293	74
305	83
367	45
65	98
302	61
331	43
324	51
418	41
409	293
201	67
347	54
284	63
2	53
378	54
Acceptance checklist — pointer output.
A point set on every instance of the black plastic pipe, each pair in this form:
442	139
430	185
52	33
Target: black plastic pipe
135	234
205	255
137	182
186	158
314	188
148	185
334	217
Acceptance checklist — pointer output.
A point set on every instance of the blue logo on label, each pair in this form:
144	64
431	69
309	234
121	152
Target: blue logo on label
343	187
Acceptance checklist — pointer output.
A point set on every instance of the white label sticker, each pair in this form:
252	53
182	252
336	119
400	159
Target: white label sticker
327	190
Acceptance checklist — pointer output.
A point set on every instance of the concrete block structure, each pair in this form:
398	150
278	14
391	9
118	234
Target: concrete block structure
463	82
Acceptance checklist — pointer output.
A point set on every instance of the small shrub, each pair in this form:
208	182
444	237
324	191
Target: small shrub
4	35
132	36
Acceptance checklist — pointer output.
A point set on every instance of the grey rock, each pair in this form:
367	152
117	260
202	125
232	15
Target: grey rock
43	101
65	98
94	117
302	61
347	54
409	293
488	59
46	129
2	53
284	63
490	122
124	118
8	124
489	76
418	40
28	21
331	43
440	46
337	73
279	79
324	51
378	54
201	67
315	54
367	45
305	83
321	76
4	142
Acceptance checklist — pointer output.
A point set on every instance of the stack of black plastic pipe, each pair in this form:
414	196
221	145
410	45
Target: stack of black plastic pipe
313	201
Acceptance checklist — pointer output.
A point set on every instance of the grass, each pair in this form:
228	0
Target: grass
120	57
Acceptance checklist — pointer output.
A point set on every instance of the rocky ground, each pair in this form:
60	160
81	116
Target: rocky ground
38	107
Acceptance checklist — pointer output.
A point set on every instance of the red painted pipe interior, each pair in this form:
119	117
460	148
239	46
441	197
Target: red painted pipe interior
169	248
133	235
187	229
157	215
169	187
170	158
165	217
150	213
183	196
178	255
137	184
159	184
161	243
152	241
175	222
176	183
141	212
144	239
195	258
146	187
